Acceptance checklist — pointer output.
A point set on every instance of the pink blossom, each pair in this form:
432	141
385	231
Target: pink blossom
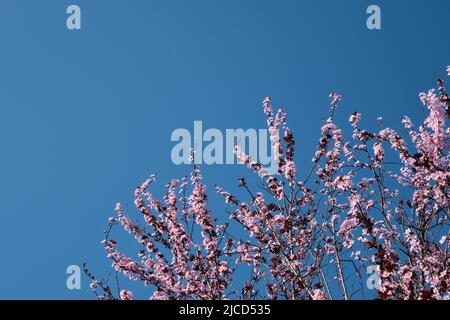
343	182
378	151
412	240
289	170
126	295
335	98
319	295
354	119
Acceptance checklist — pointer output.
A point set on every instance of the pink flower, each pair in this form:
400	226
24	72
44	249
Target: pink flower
289	170
354	119
223	269
335	98
343	182
347	226
386	134
157	295
378	151
448	70
126	295
413	241
267	107
407	122
319	295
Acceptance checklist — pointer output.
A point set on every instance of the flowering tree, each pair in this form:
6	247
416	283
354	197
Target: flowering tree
369	201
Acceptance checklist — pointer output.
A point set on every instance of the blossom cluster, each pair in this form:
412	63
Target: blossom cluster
373	198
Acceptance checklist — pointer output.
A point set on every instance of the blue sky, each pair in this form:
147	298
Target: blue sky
86	115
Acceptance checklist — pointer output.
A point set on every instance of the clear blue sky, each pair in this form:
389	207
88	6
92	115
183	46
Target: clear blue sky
86	115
